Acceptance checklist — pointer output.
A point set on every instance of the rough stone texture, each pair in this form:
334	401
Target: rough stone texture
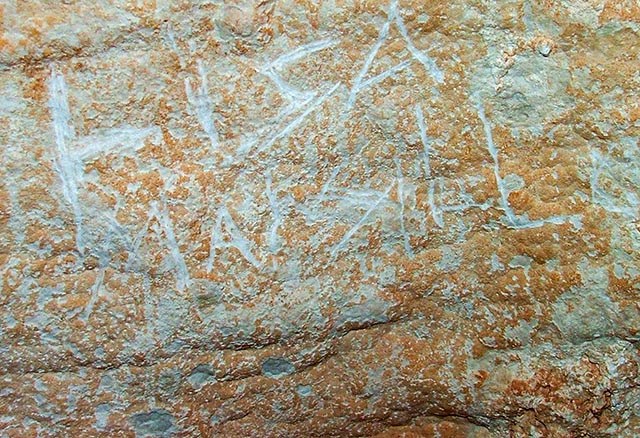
319	218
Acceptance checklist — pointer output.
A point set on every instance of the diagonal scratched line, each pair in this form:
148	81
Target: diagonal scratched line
298	120
361	222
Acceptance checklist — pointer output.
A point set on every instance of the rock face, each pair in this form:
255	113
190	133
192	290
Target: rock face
319	218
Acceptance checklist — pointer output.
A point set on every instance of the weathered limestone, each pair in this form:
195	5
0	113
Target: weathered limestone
319	218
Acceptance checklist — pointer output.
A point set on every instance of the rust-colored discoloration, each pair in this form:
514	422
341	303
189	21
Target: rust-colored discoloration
319	218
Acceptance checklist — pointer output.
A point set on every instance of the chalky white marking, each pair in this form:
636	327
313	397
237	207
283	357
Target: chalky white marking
428	63
493	151
300	52
359	83
174	45
166	226
297	97
115	140
425	141
385	74
288	129
273	240
511	219
72	151
345	239
327	185
95	293
436	214
400	193
201	103
237	241
67	166
437	211
132	245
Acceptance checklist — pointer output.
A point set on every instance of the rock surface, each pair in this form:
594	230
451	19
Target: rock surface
319	218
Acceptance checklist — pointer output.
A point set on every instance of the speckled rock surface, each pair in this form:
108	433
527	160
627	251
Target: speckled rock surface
319	218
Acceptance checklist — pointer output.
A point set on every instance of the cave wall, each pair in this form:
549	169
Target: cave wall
319	218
